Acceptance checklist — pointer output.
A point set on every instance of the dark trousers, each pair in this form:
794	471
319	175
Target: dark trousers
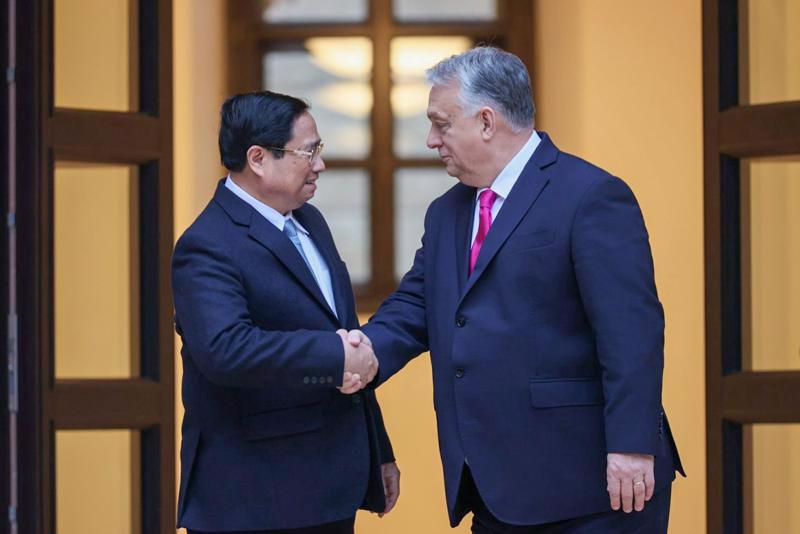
339	527
652	520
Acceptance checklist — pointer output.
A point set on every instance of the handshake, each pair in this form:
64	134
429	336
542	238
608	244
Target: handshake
360	363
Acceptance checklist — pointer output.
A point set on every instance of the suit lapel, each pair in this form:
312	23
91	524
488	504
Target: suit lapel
270	237
266	234
326	247
522	196
465	207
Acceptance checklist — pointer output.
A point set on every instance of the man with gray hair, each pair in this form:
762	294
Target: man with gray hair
534	292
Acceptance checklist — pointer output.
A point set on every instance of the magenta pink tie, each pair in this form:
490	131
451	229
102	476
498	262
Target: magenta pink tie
485	200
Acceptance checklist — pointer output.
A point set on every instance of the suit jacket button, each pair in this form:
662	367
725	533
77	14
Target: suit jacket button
356	399
460	322
306	380
459	372
313	379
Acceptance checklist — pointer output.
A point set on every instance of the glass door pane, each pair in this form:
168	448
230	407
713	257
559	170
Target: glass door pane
305	11
410	58
333	75
771	255
773	451
96	258
98	481
770	64
96	44
445	10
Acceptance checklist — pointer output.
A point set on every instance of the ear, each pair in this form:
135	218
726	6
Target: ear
487	119
258	159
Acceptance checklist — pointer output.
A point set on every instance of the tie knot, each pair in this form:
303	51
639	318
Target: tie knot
486	198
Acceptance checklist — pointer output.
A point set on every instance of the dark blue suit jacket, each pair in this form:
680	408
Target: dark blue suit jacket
550	354
268	440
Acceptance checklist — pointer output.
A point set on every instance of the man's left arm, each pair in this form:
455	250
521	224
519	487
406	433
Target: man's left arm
390	474
614	269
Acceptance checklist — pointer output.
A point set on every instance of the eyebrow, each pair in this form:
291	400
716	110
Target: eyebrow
437	115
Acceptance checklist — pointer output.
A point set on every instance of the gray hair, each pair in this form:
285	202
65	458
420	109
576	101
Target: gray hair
488	76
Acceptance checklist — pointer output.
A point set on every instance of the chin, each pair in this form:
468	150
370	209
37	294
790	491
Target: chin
451	170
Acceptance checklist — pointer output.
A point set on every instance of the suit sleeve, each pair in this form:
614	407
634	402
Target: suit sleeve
614	270
228	348
384	443
398	330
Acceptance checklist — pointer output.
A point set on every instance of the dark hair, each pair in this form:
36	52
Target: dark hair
262	118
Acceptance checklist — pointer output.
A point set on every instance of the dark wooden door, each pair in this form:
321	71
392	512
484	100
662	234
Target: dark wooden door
94	236
752	183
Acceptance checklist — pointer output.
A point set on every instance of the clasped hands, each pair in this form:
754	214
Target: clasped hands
360	363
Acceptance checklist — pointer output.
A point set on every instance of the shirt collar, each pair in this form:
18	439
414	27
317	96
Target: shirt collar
268	212
508	176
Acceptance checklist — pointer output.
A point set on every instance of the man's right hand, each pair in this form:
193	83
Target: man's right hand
360	364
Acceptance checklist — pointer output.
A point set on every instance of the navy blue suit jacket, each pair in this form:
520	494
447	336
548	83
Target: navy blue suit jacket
268	440
550	354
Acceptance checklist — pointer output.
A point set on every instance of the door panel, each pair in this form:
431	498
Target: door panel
752	144
97	383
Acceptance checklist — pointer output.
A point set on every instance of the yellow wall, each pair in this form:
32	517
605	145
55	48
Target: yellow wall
618	82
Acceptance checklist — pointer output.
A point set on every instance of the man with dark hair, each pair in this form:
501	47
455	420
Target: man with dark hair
278	433
534	292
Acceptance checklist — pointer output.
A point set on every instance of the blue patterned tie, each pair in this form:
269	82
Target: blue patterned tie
291	232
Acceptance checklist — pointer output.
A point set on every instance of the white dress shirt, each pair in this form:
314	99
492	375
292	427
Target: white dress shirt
319	269
505	181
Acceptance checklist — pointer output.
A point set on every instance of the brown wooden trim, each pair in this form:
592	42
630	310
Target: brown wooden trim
762	130
478	30
300	32
519	32
382	190
292	32
713	296
103	404
761	397
105	136
158	475
243	49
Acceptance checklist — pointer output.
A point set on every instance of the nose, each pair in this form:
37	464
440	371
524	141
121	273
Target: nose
434	140
318	165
